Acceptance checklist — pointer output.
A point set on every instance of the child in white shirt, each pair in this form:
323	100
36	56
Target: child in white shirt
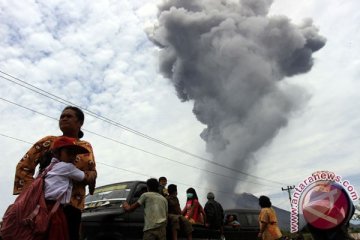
58	183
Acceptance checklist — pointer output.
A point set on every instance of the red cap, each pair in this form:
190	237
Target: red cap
67	142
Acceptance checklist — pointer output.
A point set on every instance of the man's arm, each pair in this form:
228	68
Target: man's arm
222	212
130	208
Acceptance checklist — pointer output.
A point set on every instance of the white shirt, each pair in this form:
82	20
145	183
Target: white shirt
58	180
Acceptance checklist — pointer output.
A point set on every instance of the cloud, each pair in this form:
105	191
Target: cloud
230	60
101	51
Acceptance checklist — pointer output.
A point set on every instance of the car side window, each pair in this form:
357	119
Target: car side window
252	219
242	219
140	189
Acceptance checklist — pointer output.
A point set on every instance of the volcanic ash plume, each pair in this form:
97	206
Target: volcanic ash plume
229	57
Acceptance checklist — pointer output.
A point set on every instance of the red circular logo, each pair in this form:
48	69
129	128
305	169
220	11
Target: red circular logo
325	205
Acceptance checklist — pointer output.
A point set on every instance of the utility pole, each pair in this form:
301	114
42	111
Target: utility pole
288	189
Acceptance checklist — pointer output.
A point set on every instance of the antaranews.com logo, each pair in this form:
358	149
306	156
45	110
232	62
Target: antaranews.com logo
324	199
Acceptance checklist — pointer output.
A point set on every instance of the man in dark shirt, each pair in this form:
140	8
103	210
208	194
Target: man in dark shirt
176	220
214	213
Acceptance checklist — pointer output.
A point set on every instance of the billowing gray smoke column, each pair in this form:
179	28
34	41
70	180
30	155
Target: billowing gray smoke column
229	58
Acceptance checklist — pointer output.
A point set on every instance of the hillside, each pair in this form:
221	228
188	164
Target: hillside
249	201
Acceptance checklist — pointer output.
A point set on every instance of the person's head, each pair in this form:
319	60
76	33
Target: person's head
163	181
152	185
264	202
142	190
70	122
172	189
210	196
191	194
230	218
65	149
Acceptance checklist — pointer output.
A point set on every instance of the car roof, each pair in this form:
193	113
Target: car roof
242	210
128	183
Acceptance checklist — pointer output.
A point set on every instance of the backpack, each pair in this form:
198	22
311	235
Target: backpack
28	217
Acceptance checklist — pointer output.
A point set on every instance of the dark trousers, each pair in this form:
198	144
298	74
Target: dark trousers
73	217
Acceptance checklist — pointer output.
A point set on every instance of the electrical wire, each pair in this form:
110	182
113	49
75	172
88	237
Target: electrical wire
143	150
127	170
66	102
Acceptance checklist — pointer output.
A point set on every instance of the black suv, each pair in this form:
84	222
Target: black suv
104	218
249	225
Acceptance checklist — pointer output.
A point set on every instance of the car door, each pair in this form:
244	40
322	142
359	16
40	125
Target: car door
230	232
249	226
135	219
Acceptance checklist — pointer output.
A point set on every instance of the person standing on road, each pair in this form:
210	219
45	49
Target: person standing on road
176	220
155	211
214	213
193	210
269	229
70	123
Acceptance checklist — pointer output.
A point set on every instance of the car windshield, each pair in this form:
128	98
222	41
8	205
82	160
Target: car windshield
252	219
112	192
248	219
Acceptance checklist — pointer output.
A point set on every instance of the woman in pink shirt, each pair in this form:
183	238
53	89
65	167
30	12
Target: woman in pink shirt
193	210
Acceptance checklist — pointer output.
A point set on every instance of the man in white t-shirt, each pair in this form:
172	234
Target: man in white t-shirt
155	211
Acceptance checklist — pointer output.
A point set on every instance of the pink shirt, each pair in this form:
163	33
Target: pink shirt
196	210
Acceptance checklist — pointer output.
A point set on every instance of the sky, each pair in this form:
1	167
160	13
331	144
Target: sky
131	66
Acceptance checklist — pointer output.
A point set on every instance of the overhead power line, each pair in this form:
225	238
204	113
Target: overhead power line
174	182
126	170
17	139
47	94
142	150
